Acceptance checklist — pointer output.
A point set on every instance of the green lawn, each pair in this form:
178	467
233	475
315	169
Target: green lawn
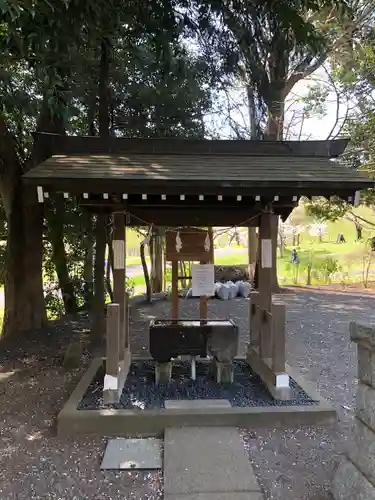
346	261
327	260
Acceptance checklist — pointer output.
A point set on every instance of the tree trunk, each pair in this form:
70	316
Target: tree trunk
275	133
275	120
211	236
252	251
108	278
109	266
59	260
252	233
145	271
88	261
104	89
24	299
98	327
253	121
156	255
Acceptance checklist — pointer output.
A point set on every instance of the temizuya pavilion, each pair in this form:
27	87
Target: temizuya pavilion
200	183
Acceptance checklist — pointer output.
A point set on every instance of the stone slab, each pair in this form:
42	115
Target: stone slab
361	451
350	484
365	405
206	460
132	454
366	365
248	495
196	404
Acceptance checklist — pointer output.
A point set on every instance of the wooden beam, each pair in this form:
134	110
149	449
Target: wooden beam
179	217
195	187
63	144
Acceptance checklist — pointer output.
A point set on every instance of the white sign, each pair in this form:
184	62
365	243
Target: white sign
266	253
118	254
203	277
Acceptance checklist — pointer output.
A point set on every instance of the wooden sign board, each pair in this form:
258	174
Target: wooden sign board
189	245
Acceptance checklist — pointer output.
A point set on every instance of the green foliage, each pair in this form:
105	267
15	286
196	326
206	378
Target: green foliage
49	59
315	102
264	43
322	209
159	85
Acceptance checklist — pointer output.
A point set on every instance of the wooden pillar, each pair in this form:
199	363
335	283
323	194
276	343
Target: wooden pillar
203	303
112	340
254	320
265	284
127	322
174	290
126	305
203	308
119	292
278	341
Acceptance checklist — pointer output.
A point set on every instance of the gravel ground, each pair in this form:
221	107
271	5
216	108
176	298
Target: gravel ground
291	464
299	464
140	390
34	464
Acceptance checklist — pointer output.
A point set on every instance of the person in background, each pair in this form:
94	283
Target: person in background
294	257
295	261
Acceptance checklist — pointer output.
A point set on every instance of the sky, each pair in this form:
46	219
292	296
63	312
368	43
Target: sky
316	127
312	128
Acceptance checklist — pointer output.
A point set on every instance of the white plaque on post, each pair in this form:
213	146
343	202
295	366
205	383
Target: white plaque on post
118	254
203	277
266	253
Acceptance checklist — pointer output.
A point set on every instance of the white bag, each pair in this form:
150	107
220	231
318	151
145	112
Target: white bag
223	292
232	290
244	289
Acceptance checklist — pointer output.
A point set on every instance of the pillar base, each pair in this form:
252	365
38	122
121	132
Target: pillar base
278	384
163	373
224	373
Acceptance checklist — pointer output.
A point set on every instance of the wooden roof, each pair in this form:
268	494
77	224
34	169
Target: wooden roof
187	182
54	144
213	171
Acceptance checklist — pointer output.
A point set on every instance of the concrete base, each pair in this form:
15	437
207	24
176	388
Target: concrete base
112	396
153	422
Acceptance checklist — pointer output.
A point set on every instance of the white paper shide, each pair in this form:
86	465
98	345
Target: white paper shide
203	277
118	254
266	253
